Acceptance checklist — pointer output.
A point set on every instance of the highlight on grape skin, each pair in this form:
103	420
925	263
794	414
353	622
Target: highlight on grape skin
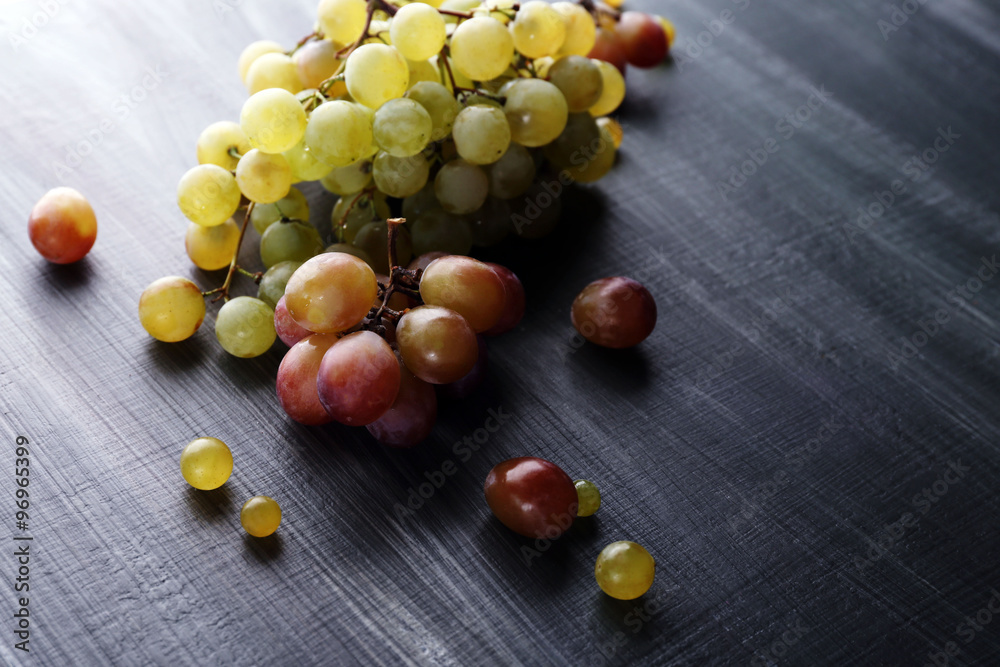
62	226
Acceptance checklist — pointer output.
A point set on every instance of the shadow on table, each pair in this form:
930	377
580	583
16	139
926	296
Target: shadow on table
264	549
211	505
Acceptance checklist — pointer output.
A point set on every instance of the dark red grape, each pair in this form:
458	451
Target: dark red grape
614	312
410	419
532	496
643	40
513	309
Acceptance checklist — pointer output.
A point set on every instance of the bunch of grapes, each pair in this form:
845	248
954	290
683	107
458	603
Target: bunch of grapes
459	116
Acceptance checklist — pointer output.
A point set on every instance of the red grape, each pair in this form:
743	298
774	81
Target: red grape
358	378
62	226
411	417
289	331
467	286
331	292
464	387
422	261
532	496
513	309
610	48
437	344
614	312
643	40
296	384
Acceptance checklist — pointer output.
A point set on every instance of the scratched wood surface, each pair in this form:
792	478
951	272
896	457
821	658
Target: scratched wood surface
815	490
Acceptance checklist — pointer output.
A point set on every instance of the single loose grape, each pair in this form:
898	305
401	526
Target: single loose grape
375	74
531	496
343	21
273	120
482	134
253	51
217	140
538	30
614	312
402	127
211	248
580	81
481	48
461	187
206	463
273	70
417	31
273	282
245	327
588	496
171	309
581	32
289	242
62	226
293	206
208	195
263	177
260	516
624	570
612	90
536	111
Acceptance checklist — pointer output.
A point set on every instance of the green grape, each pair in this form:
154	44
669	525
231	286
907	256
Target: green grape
304	165
598	161
420	203
373	240
581	31
580	81
316	62
537	212
536	111
481	48
171	309
253	51
273	120
355	177
339	133
292	206
538	30
490	224
588	497
208	195
577	143
350	250
245	327
418	31
215	142
439	103
400	176
402	127
273	70
272	283
441	231
260	516
612	89
375	74
512	174
481	133
461	187
263	177
420	71
206	463
461	81
354	211
343	21
211	248
289	242
624	570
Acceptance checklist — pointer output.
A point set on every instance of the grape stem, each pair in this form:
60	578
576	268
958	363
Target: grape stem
401	280
223	291
598	8
305	40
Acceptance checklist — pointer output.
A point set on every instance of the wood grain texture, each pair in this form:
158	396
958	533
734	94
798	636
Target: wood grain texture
757	443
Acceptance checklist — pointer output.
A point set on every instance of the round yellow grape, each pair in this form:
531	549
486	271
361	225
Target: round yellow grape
206	463
260	516
624	570
171	309
208	195
212	248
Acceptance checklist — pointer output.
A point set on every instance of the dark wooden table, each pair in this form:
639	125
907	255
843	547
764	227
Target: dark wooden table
807	443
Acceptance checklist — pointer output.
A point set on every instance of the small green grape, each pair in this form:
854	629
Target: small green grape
588	497
624	570
289	242
260	516
245	327
206	463
293	206
272	283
